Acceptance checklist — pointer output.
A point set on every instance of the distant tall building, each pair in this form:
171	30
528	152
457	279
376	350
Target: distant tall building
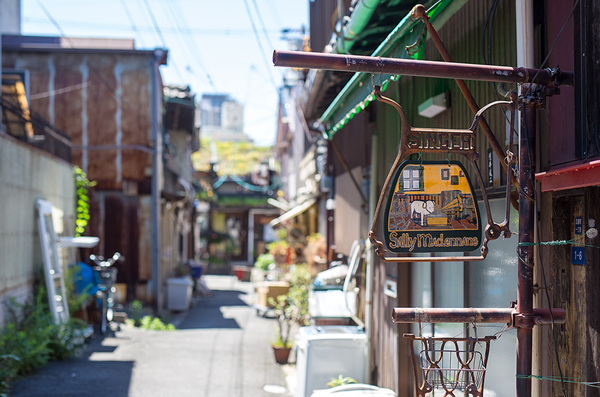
222	118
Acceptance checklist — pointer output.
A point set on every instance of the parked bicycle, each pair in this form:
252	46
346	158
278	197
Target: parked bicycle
106	276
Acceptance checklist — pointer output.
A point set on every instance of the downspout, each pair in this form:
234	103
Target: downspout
371	258
330	205
361	15
524	26
156	142
525	58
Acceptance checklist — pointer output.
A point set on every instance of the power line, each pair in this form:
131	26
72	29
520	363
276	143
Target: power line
259	43
161	37
188	38
132	22
145	29
264	30
111	89
155	24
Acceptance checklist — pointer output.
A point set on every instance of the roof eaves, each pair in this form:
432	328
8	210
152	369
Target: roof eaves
357	94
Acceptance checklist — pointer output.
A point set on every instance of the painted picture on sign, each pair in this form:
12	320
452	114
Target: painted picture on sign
432	208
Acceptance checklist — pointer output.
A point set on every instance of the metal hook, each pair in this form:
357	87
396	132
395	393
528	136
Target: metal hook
379	81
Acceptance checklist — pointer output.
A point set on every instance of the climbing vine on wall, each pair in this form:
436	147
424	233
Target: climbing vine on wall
82	200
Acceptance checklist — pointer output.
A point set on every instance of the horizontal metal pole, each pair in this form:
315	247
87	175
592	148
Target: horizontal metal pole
472	315
410	67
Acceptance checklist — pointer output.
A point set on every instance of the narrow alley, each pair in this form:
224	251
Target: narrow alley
221	348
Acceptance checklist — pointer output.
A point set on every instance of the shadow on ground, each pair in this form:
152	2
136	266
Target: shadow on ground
208	313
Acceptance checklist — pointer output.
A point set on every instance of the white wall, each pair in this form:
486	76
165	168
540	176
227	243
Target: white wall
27	174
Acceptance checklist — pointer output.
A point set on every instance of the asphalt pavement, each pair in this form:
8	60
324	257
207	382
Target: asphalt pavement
221	348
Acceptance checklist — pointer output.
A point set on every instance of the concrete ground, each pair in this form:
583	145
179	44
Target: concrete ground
221	348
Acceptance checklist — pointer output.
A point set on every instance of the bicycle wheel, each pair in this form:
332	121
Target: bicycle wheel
110	302
102	311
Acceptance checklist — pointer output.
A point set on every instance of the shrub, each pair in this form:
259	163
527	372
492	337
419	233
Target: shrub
264	261
31	338
146	322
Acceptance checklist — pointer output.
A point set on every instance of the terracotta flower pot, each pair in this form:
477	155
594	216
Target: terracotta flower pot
281	354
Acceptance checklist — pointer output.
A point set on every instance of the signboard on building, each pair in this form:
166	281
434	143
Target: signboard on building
431	208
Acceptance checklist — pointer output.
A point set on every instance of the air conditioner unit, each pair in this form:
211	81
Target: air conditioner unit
326	352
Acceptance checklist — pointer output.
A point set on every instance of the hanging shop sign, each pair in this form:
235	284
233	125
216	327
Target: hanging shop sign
431	205
431	208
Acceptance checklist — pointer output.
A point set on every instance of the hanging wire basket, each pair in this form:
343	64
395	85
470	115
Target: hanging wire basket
450	364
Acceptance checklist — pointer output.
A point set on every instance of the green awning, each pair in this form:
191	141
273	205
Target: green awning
357	94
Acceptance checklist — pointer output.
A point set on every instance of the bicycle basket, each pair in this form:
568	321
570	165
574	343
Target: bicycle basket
106	275
451	364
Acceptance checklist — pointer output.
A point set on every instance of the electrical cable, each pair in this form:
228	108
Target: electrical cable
556	40
155	24
111	89
562	380
132	22
188	38
160	36
535	199
260	46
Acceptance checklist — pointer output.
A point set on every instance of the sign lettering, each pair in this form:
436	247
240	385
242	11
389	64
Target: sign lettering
441	141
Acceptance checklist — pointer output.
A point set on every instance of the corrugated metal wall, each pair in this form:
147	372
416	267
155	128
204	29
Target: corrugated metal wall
27	174
109	120
110	110
462	35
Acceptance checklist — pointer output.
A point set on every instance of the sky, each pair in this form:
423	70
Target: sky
215	46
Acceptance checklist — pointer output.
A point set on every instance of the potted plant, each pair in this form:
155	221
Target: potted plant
287	313
290	309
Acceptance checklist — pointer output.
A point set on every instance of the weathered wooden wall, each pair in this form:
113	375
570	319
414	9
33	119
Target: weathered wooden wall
462	36
575	289
102	100
111	108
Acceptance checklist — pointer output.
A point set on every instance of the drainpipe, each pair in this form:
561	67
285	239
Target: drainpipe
525	55
156	141
371	259
362	13
330	205
524	25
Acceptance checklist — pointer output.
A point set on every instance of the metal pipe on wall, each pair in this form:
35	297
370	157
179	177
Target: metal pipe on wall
525	251
411	67
156	140
371	258
525	57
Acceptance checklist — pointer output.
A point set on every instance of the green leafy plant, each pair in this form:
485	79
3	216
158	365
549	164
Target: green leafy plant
31	338
341	380
82	200
137	310
264	261
8	371
74	300
155	323
292	309
146	322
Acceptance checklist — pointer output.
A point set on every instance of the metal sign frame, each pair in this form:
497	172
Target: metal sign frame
430	140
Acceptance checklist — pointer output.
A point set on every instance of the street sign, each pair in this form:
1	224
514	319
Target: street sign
432	208
578	255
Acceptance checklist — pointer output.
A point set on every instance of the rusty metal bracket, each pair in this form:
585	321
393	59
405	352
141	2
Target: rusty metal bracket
458	141
509	316
419	12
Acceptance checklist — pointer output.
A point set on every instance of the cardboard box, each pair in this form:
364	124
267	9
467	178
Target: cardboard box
270	289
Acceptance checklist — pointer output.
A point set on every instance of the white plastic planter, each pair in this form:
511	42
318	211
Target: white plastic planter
179	293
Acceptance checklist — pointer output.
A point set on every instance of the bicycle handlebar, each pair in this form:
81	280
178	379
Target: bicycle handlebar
99	261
